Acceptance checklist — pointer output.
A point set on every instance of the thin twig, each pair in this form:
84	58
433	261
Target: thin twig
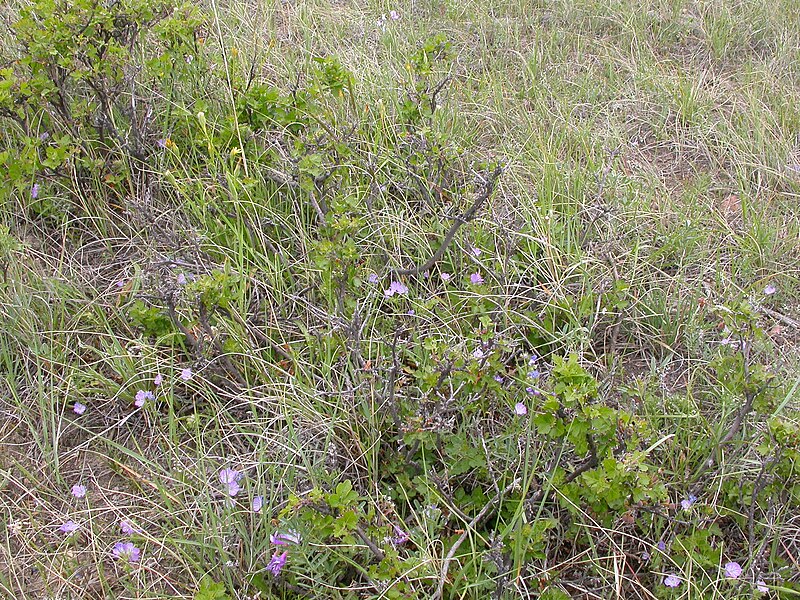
470	526
369	543
782	318
590	462
466	217
260	336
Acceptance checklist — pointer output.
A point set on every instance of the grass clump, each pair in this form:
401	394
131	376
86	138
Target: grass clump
422	301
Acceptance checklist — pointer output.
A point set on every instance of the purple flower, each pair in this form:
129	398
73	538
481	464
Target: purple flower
284	539
672	580
78	490
661	545
35	190
162	143
401	537
733	570
126	551
181	279
79	408
445	277
476	252
520	409
394	15
277	562
127	528
532	360
44	136
69	527
186	374
478	354
476	278
159	379
373	278
411	312
142	396
258	502
761	586
769	290
229	475
645	555
230	478
686	503
499	378
534	374
395	288
532	391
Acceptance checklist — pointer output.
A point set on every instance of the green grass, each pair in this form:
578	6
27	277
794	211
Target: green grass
648	197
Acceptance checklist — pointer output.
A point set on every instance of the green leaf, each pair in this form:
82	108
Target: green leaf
211	590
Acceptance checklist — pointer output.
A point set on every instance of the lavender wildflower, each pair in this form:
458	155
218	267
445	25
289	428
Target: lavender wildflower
69	527
159	379
127	528
478	354
520	409
230	478
661	545
395	288
35	191
186	374
686	503
284	539
401	536
445	277
476	252
78	490
126	551
79	408
277	562
769	290
733	570
499	378
394	15
761	586
373	278
672	580
476	278
258	502
142	396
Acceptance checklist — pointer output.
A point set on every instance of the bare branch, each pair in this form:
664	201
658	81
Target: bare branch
466	217
485	511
